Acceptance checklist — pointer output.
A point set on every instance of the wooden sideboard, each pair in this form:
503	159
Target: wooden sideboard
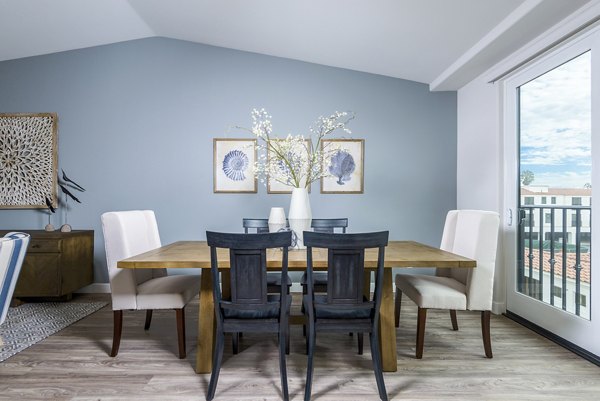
56	264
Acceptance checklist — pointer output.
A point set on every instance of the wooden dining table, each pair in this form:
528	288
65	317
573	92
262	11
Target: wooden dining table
196	254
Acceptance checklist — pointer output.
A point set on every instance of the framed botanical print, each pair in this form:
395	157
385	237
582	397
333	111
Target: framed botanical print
233	165
276	186
345	168
28	160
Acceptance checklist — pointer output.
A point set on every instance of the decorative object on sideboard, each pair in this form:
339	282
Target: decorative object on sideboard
294	162
51	211
277	219
28	142
346	167
63	184
233	165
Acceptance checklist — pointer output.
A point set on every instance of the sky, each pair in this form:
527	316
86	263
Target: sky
556	125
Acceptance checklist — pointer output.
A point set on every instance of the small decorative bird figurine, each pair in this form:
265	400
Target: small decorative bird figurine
68	193
63	183
49	204
70	181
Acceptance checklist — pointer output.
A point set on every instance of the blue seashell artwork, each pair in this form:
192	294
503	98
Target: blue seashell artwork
342	166
235	163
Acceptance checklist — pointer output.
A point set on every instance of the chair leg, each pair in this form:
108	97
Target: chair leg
235	342
397	305
148	319
309	368
422	317
117	329
360	343
216	368
485	332
453	318
283	343
180	313
376	358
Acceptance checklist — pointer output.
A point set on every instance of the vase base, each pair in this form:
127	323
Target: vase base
49	227
65	228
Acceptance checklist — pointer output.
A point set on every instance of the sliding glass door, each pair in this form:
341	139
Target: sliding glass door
551	142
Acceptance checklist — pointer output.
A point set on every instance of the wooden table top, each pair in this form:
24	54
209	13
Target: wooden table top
196	254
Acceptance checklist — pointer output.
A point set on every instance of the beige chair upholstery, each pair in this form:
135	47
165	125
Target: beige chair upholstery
130	233
469	233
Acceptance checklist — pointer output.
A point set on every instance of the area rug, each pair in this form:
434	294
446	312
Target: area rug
30	323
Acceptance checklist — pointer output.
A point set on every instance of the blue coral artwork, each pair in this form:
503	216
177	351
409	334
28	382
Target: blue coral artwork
233	165
345	167
342	166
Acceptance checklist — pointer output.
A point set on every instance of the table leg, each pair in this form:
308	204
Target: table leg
206	324
387	330
367	285
225	284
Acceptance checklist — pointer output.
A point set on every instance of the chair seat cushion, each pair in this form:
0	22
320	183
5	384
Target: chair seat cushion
275	279
338	311
170	292
270	312
319	278
433	291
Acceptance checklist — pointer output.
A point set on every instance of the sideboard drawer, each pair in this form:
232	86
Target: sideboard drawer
44	245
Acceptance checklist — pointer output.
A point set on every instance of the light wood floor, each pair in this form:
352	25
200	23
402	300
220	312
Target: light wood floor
73	364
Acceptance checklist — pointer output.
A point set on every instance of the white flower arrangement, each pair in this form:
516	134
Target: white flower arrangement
295	160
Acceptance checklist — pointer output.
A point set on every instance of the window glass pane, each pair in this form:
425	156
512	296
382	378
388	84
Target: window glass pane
555	161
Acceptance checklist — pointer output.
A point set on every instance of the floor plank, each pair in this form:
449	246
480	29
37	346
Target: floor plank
73	365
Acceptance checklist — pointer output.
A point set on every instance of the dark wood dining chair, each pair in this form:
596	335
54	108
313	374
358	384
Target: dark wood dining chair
261	226
320	278
345	308
323	226
250	308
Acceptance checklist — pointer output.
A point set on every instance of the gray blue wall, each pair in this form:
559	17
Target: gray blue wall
137	119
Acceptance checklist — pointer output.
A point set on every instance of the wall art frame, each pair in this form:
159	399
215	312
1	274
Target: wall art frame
233	165
346	167
275	187
28	160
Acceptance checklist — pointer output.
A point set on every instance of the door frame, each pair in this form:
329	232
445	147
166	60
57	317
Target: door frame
570	327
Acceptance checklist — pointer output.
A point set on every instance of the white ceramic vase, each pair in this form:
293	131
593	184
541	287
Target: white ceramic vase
300	215
276	219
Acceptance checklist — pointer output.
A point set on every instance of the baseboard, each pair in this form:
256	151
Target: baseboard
585	354
95	288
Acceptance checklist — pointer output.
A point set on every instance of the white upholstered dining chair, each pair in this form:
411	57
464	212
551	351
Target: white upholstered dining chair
13	247
130	233
472	234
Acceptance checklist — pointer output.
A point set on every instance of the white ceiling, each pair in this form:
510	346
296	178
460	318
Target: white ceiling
444	43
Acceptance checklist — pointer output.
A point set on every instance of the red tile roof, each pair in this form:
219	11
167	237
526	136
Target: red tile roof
559	191
558	257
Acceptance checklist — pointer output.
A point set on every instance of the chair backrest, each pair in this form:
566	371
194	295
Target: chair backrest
13	247
260	225
329	225
248	266
473	234
346	265
127	234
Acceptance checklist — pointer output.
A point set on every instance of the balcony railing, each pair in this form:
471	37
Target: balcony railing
554	255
